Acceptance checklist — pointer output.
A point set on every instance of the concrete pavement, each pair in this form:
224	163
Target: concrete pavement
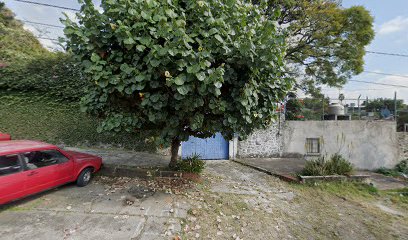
97	211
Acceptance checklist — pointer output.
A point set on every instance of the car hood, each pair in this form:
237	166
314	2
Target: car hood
81	156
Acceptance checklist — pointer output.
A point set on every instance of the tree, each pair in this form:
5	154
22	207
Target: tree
325	41
376	105
185	68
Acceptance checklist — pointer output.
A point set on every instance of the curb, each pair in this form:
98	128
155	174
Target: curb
284	177
333	178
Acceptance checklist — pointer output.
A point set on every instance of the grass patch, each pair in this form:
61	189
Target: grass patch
344	189
397	196
35	117
360	192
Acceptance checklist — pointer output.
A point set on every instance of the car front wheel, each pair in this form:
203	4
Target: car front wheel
84	177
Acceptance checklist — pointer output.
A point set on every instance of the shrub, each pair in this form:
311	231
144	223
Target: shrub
402	167
315	167
387	172
191	164
54	74
399	169
337	164
37	117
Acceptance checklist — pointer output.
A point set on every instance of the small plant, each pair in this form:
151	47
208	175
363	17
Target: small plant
399	169
387	172
192	164
337	164
315	167
402	167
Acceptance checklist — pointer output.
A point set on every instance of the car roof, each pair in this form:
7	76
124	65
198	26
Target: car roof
14	146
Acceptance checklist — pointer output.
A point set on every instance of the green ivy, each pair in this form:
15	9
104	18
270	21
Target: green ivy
53	74
38	117
26	66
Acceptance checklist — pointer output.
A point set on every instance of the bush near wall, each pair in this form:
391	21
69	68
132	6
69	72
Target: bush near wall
26	66
53	74
32	116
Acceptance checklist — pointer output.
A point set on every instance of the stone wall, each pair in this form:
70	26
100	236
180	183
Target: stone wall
403	145
262	143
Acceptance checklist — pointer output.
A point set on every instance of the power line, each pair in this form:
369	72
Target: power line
389	54
48	5
355	90
43	24
387	74
384	84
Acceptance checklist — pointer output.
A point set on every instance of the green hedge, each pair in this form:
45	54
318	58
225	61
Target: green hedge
40	118
53	74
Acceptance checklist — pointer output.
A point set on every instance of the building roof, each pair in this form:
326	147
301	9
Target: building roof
13	146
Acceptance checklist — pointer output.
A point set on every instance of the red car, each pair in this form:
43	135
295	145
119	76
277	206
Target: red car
5	137
29	167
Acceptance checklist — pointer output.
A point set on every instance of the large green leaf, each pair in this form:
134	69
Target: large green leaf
183	90
180	79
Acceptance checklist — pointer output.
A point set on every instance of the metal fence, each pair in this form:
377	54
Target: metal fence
384	109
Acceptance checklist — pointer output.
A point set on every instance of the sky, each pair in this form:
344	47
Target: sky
391	27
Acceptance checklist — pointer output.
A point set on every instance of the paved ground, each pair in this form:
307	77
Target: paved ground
292	166
129	158
100	210
288	166
232	202
383	182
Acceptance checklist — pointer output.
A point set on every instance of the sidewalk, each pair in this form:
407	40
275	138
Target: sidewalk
287	169
125	163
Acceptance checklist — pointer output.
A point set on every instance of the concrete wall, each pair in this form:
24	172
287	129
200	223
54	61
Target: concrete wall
367	144
262	143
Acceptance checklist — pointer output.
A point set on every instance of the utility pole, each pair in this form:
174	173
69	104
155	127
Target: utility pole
395	106
323	108
359	108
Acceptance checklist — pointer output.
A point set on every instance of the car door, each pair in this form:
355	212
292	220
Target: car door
12	178
46	169
64	167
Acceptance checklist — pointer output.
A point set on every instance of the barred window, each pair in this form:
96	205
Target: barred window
312	145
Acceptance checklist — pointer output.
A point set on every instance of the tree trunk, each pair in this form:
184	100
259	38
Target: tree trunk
175	145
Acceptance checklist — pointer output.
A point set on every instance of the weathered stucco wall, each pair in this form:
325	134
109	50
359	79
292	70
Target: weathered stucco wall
367	144
262	143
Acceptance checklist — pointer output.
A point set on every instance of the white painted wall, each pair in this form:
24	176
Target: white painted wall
367	144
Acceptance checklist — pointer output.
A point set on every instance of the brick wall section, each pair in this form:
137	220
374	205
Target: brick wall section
403	144
262	143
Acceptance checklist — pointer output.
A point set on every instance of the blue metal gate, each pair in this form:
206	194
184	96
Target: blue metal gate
215	147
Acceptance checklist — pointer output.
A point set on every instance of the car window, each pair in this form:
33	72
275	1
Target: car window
9	164
38	159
